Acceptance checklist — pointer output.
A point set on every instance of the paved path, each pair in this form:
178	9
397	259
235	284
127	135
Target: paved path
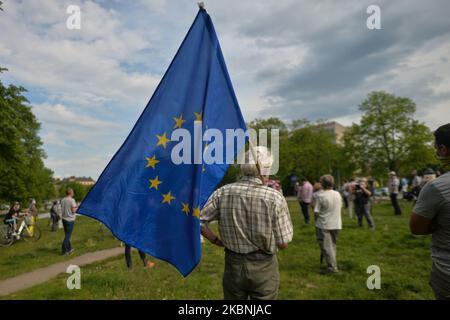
45	274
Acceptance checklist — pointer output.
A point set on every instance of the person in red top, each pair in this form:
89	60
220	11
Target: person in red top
274	184
304	195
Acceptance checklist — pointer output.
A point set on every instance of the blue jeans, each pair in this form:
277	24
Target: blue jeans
68	228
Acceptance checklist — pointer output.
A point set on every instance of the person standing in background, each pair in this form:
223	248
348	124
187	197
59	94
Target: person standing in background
428	175
394	185
59	211
147	263
274	184
69	208
345	194
327	209
32	212
404	187
351	197
362	203
304	196
415	184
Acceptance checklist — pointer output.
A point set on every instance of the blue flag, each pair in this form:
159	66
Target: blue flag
143	196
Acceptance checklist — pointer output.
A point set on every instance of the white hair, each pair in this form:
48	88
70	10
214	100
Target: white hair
249	169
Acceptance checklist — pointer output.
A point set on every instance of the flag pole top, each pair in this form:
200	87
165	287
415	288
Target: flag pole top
201	5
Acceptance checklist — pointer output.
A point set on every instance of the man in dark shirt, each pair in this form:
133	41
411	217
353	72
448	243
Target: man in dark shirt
362	203
12	215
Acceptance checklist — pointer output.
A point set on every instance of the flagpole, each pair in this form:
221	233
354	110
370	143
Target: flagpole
201	5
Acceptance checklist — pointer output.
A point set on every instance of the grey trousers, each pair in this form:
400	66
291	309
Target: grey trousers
440	283
327	243
254	277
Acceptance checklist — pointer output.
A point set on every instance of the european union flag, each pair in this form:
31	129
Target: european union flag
147	200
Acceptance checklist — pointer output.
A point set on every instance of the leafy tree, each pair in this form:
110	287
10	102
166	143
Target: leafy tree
80	191
309	152
388	137
22	171
298	124
270	123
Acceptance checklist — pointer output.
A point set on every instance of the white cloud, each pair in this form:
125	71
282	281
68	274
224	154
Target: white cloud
290	58
83	66
61	115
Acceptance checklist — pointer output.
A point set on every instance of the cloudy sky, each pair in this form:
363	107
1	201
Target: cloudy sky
287	58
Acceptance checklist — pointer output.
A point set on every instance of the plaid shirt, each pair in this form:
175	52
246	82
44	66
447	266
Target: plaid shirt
251	216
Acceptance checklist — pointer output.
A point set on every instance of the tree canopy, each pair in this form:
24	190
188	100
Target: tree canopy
388	137
22	171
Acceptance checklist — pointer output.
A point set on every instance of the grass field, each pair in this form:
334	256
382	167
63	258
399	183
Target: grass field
404	261
88	236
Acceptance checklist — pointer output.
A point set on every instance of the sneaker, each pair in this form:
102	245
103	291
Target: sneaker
332	270
70	252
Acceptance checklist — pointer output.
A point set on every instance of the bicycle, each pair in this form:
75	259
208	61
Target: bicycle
27	231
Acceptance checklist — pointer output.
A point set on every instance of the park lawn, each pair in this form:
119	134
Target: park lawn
88	235
404	261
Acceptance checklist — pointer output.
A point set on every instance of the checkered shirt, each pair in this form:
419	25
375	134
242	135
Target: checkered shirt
251	216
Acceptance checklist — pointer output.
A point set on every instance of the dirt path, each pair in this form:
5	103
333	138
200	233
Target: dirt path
45	274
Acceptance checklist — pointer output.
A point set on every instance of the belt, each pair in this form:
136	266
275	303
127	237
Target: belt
254	255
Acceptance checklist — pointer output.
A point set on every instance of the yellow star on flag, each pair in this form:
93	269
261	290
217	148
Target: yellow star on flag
196	212
179	122
185	208
162	140
151	162
154	183
167	198
198	116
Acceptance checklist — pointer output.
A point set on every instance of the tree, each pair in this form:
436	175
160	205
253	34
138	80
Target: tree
22	171
270	123
306	150
80	191
388	137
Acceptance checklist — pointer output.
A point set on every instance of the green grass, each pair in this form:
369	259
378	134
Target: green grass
88	236
404	261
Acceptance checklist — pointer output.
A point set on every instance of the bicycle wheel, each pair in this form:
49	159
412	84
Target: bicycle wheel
6	238
35	235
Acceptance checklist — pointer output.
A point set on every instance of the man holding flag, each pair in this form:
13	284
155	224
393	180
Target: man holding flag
147	199
254	222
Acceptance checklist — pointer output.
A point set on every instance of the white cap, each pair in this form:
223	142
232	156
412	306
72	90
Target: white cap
264	158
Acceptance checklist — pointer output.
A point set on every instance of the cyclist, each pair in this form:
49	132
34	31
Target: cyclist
12	216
